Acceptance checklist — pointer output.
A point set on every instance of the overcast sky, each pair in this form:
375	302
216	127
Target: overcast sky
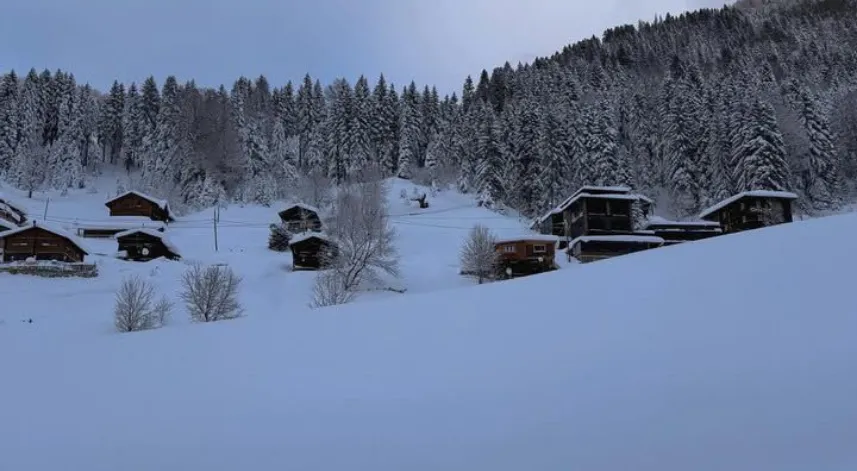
215	41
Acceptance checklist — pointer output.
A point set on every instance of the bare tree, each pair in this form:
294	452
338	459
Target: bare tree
136	308
365	241
330	290
211	293
314	188
479	256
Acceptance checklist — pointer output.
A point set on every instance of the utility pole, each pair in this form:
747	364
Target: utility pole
45	216
216	217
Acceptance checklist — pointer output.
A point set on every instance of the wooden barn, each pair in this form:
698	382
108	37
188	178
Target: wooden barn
40	242
11	212
526	255
108	228
593	210
135	203
300	217
310	250
142	245
751	210
593	248
677	232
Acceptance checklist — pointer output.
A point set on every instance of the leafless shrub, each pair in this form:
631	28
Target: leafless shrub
479	255
314	188
366	243
136	308
211	293
330	290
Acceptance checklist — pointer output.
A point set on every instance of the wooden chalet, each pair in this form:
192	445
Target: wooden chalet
311	250
593	248
751	210
135	203
143	245
40	242
593	210
11	212
676	232
301	217
526	255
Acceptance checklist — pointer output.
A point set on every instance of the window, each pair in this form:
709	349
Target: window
508	249
541	248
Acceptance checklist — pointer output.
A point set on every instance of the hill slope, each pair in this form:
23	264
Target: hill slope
735	353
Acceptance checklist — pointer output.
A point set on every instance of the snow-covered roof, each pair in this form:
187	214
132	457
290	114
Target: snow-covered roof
527	237
597	188
302	206
50	228
13	209
786	195
303	236
163	204
151	232
654	221
120	222
618	238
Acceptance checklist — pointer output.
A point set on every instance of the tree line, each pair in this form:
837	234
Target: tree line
688	109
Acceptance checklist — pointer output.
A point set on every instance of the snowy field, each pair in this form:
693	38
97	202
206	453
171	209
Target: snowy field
735	353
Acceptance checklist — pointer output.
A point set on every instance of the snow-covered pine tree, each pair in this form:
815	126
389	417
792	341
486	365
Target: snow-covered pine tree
410	132
64	159
760	159
111	126
133	125
8	120
490	154
360	130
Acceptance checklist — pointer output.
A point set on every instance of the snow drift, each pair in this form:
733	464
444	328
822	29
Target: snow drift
735	353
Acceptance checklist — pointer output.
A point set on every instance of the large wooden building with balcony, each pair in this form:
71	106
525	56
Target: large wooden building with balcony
135	203
40	242
751	210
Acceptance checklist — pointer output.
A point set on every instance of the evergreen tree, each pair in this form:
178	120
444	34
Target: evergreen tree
8	120
761	157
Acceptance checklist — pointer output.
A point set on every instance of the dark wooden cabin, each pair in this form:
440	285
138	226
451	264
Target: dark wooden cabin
593	248
300	217
311	250
143	245
751	210
593	210
134	203
11	212
526	255
40	242
677	232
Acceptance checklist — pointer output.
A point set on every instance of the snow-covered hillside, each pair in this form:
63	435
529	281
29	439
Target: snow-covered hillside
735	353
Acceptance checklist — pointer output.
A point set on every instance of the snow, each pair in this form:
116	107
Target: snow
117	222
153	233
618	238
577	196
527	237
506	376
754	193
11	208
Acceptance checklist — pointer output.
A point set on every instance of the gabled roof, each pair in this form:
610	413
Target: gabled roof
304	236
163	204
9	206
786	195
46	227
303	206
153	233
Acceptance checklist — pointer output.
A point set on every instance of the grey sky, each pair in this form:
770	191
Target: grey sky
215	41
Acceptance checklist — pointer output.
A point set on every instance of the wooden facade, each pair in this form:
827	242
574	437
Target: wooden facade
526	256
751	210
310	251
677	232
133	203
300	218
143	245
40	243
593	248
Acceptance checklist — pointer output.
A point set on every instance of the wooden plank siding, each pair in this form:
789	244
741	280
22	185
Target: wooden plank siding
40	244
